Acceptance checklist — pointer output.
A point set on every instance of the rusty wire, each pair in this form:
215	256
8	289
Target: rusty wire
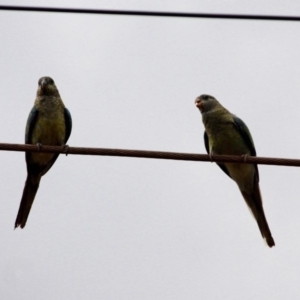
152	154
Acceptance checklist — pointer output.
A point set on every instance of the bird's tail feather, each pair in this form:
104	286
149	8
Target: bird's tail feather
30	189
254	202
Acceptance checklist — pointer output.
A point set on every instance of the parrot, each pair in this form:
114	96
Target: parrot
49	123
226	134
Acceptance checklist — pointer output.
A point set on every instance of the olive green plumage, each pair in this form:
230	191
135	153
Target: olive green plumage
49	123
226	134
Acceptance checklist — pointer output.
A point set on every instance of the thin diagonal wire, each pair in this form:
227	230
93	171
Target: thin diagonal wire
150	13
152	154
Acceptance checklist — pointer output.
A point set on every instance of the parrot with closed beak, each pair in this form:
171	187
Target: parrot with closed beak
49	123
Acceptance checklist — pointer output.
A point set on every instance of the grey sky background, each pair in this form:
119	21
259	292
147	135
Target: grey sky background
129	228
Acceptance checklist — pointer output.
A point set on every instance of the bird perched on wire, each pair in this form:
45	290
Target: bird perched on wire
49	123
226	134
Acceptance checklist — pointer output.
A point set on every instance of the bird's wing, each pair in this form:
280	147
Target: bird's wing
246	135
31	121
206	142
68	122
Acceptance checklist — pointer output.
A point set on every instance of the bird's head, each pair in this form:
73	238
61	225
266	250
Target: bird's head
47	87
206	103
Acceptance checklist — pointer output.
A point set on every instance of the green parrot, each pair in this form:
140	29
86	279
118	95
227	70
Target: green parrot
49	123
226	134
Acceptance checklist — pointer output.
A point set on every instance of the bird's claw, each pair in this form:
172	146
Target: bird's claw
39	145
211	157
66	149
245	157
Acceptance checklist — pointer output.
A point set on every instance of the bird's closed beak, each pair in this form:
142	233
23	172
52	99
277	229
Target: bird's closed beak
198	103
44	82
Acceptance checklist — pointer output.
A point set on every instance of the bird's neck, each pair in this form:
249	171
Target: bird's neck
48	104
214	117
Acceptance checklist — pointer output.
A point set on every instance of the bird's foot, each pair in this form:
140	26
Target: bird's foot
66	149
39	145
211	157
245	157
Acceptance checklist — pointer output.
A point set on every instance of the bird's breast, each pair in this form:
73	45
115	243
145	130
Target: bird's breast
50	130
226	140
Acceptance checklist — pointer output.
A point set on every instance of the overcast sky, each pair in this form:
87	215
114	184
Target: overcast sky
130	228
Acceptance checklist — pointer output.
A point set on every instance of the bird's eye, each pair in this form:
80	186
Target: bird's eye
205	97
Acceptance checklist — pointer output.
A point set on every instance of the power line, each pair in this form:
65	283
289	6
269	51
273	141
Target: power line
149	13
152	154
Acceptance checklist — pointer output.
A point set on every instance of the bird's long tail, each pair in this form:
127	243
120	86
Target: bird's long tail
30	189
254	202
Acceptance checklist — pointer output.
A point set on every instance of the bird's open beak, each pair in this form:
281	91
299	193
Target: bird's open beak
198	103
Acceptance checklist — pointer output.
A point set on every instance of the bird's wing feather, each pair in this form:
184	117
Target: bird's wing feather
246	135
68	122
31	121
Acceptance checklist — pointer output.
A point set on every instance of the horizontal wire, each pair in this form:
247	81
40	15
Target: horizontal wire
152	154
149	13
